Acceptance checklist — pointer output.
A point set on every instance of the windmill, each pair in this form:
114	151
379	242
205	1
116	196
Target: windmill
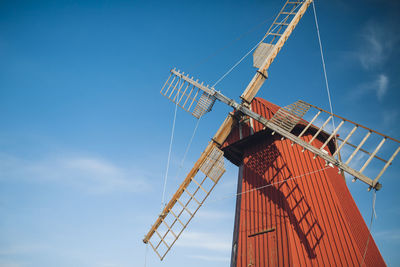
290	167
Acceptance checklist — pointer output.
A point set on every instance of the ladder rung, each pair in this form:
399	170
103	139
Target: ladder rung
387	164
281	23
205	191
288	13
184	207
275	34
358	147
373	155
294	3
169	228
191	196
345	140
162	240
155	250
309	124
177	218
320	129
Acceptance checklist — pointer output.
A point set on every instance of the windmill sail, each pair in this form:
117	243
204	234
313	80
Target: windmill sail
188	94
187	204
286	118
190	196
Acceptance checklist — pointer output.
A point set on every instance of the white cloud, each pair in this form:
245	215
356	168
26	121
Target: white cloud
22	249
91	174
382	83
7	263
391	235
378	42
378	86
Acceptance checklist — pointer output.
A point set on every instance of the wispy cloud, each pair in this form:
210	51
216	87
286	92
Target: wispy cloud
390	235
377	43
379	86
9	263
22	249
91	174
383	82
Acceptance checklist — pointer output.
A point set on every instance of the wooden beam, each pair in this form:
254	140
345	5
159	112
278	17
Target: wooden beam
218	138
257	81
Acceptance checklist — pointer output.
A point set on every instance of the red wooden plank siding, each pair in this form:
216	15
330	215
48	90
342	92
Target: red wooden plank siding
315	219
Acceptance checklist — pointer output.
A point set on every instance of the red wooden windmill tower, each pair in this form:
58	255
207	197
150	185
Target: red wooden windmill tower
293	206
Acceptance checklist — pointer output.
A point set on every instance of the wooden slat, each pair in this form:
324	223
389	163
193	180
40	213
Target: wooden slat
358	148
205	191
192	197
258	80
185	207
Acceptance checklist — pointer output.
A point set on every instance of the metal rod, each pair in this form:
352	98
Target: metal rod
332	135
320	129
373	155
358	148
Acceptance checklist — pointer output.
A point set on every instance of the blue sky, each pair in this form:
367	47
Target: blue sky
84	132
